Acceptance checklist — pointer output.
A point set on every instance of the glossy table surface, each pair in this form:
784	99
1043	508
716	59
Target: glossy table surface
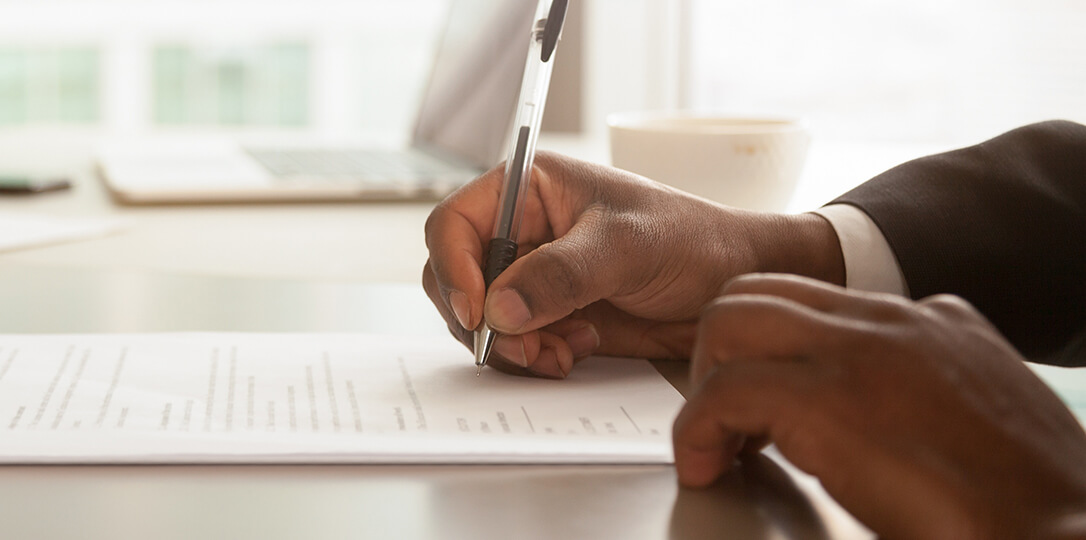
325	268
761	499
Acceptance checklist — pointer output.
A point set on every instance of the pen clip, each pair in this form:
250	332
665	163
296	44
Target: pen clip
553	30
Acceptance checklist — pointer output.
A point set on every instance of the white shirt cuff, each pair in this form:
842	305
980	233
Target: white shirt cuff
870	264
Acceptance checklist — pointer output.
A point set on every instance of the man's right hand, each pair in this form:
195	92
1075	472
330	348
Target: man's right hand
610	263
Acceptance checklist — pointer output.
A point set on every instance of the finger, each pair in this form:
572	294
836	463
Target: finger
605	330
555	359
549	283
746	326
744	399
581	335
623	334
539	353
517	352
550	352
429	284
817	295
455	232
787	403
957	309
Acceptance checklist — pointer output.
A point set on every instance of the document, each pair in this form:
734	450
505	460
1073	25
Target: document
315	398
18	230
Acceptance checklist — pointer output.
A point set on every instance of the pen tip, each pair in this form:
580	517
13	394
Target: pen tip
478	370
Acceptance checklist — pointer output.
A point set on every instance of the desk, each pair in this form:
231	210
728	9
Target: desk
315	268
331	241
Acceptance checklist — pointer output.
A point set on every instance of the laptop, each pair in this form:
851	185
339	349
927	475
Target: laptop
461	129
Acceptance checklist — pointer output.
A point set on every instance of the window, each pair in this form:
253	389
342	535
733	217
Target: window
131	67
262	85
49	85
911	70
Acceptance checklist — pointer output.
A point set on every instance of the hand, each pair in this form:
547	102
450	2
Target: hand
919	418
609	263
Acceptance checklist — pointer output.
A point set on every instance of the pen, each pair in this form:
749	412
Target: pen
502	250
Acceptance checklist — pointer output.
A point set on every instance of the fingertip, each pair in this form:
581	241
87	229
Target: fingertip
698	468
546	365
511	349
506	311
461	307
703	450
553	362
583	341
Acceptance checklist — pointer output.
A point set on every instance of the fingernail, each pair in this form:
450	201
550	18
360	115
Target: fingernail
461	308
507	312
546	365
511	348
584	341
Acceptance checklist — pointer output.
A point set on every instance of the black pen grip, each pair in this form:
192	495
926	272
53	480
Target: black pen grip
501	252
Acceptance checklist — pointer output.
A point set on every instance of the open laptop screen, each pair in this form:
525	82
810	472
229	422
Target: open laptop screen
467	109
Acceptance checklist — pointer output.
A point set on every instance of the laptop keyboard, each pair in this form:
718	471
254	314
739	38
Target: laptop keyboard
363	166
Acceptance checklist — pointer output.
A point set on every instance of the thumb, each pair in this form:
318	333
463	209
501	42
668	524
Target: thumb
550	282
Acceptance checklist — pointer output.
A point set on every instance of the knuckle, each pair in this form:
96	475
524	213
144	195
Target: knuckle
739	312
635	228
547	166
958	312
805	442
743	284
730	325
716	334
891	308
951	306
544	159
719	312
718	382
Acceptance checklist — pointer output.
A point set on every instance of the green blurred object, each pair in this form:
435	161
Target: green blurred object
170	64
51	85
263	85
26	185
12	87
77	86
293	72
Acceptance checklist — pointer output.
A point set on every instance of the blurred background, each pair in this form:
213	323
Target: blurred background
76	72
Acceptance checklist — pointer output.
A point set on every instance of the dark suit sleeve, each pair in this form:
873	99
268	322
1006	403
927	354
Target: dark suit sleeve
1001	224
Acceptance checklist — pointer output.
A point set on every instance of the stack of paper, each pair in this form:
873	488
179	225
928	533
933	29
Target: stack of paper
293	398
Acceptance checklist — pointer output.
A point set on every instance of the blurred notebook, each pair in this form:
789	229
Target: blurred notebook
461	128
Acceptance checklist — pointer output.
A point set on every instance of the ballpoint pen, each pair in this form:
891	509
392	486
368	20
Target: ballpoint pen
502	250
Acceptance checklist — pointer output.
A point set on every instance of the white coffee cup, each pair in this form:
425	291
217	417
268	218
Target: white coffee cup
746	162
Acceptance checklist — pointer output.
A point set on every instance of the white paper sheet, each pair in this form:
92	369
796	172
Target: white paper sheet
315	398
18	230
